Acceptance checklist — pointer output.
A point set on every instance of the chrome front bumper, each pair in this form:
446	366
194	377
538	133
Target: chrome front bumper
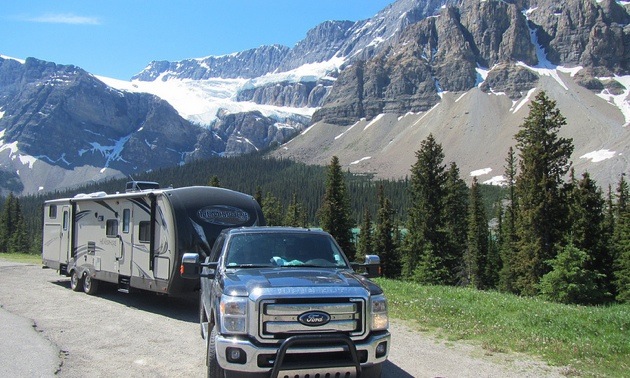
256	355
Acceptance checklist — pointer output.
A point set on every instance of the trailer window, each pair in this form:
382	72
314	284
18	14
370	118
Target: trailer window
111	228
144	232
65	220
126	220
52	211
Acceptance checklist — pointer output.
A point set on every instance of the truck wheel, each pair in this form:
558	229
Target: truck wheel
90	285
214	370
76	281
373	371
202	316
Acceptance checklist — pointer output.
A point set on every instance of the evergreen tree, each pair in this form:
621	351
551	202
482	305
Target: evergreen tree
570	280
14	237
455	211
365	246
476	258
507	227
295	216
544	160
586	227
385	243
334	214
621	243
272	209
426	239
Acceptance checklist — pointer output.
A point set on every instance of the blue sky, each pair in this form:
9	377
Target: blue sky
118	38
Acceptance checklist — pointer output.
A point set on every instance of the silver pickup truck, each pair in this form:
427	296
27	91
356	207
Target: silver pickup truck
286	302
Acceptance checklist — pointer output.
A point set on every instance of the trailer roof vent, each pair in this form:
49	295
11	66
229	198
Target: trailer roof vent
138	186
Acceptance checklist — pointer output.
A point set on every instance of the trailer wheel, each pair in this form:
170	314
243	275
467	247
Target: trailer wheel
214	370
76	281
90	285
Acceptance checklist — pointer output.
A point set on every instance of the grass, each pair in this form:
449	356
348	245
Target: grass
589	341
22	258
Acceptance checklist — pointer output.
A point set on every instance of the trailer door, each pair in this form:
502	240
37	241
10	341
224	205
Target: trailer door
64	241
125	254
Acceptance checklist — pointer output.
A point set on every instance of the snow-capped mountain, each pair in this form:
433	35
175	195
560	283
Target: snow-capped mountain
368	92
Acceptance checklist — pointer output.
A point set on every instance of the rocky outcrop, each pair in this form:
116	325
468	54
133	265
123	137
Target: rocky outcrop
308	94
443	53
587	33
252	132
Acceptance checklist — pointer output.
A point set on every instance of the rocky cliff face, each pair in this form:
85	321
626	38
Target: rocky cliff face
246	64
444	54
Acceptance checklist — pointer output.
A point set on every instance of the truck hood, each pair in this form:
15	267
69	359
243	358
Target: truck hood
243	282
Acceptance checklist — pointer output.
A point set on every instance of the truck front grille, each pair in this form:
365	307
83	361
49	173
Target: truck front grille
279	318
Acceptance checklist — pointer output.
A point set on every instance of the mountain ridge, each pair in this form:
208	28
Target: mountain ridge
401	65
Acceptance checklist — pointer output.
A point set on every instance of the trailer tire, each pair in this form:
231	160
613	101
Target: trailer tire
90	285
76	281
214	369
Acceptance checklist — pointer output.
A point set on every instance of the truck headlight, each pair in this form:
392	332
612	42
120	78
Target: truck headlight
380	319
233	314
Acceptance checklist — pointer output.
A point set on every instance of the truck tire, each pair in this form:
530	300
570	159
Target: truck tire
76	281
90	285
202	316
214	370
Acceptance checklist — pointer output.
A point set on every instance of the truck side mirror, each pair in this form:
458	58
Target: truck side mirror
372	266
190	268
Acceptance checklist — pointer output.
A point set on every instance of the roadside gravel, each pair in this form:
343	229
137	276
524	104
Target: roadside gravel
142	334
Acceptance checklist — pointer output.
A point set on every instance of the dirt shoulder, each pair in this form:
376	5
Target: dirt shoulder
142	334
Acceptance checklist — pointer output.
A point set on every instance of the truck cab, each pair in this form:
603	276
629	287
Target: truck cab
278	301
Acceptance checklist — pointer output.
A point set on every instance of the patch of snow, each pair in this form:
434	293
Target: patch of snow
480	172
1	114
12	147
16	59
27	160
376	119
350	128
425	114
360	160
517	105
482	75
496	180
621	100
461	96
600	155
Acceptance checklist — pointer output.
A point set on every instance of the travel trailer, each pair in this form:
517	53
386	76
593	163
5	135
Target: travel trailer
137	239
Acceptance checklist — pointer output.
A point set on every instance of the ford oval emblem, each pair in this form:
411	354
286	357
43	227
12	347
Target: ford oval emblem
314	318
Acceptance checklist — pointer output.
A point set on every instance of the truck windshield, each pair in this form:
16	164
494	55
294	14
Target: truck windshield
283	249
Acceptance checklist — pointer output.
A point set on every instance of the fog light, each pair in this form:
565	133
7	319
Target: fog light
236	355
381	349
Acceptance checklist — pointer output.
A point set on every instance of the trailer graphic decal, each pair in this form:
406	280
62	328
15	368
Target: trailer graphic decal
223	215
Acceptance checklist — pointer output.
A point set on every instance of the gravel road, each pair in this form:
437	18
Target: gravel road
142	334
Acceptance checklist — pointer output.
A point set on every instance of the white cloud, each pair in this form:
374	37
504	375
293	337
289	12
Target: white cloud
65	18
